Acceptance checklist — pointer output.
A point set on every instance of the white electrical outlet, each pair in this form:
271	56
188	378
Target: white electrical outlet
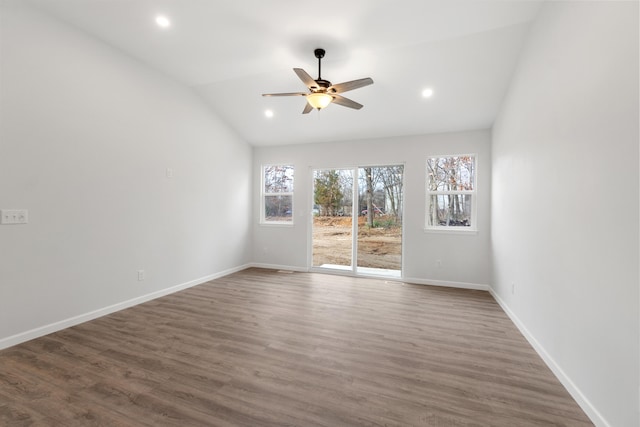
169	172
14	216
140	275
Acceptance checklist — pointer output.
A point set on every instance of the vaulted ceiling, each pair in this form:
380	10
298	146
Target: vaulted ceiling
232	52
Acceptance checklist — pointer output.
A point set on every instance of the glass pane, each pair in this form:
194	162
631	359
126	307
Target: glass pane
449	210
278	179
380	233
455	173
278	208
332	223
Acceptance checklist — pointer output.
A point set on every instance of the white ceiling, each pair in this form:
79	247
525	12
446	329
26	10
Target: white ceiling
230	52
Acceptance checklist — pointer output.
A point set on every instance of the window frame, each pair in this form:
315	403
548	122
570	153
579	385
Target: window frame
264	195
453	229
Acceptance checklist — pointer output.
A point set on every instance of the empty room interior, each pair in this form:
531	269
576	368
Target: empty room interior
319	214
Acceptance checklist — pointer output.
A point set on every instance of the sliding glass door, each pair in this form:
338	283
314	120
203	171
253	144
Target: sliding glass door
357	220
379	237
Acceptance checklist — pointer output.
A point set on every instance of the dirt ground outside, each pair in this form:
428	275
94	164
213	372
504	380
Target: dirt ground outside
377	247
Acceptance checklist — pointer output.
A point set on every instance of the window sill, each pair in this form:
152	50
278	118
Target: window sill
443	230
276	224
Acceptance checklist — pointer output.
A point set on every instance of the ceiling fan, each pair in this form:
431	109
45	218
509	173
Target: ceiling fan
322	92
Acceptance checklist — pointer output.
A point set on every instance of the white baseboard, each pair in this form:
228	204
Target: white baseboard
447	284
76	320
564	379
278	267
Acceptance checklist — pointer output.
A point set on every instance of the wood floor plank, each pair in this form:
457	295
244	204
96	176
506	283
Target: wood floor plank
264	348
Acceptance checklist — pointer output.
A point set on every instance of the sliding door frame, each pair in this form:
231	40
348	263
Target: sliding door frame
353	271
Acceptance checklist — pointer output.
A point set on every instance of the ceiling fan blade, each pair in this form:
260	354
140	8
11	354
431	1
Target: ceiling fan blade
346	102
353	84
286	94
307	108
306	78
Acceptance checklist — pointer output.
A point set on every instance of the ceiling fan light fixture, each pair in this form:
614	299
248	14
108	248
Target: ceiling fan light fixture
319	100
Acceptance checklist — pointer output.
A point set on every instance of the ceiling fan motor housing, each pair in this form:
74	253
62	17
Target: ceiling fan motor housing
324	84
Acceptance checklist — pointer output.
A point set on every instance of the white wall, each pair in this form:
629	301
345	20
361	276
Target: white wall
465	257
86	136
565	201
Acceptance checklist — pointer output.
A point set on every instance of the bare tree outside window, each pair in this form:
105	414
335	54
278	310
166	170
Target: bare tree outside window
450	191
381	193
277	191
391	179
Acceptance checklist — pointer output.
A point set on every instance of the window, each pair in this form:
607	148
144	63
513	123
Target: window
451	192
277	194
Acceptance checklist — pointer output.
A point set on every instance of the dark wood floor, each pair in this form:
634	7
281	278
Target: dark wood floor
265	348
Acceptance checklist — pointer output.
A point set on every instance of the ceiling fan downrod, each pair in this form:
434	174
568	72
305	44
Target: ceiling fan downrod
323	85
319	53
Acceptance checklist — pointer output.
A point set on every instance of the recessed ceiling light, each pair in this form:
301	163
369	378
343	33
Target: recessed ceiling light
427	93
268	113
163	21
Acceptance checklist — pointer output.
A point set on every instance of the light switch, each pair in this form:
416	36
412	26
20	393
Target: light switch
14	216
